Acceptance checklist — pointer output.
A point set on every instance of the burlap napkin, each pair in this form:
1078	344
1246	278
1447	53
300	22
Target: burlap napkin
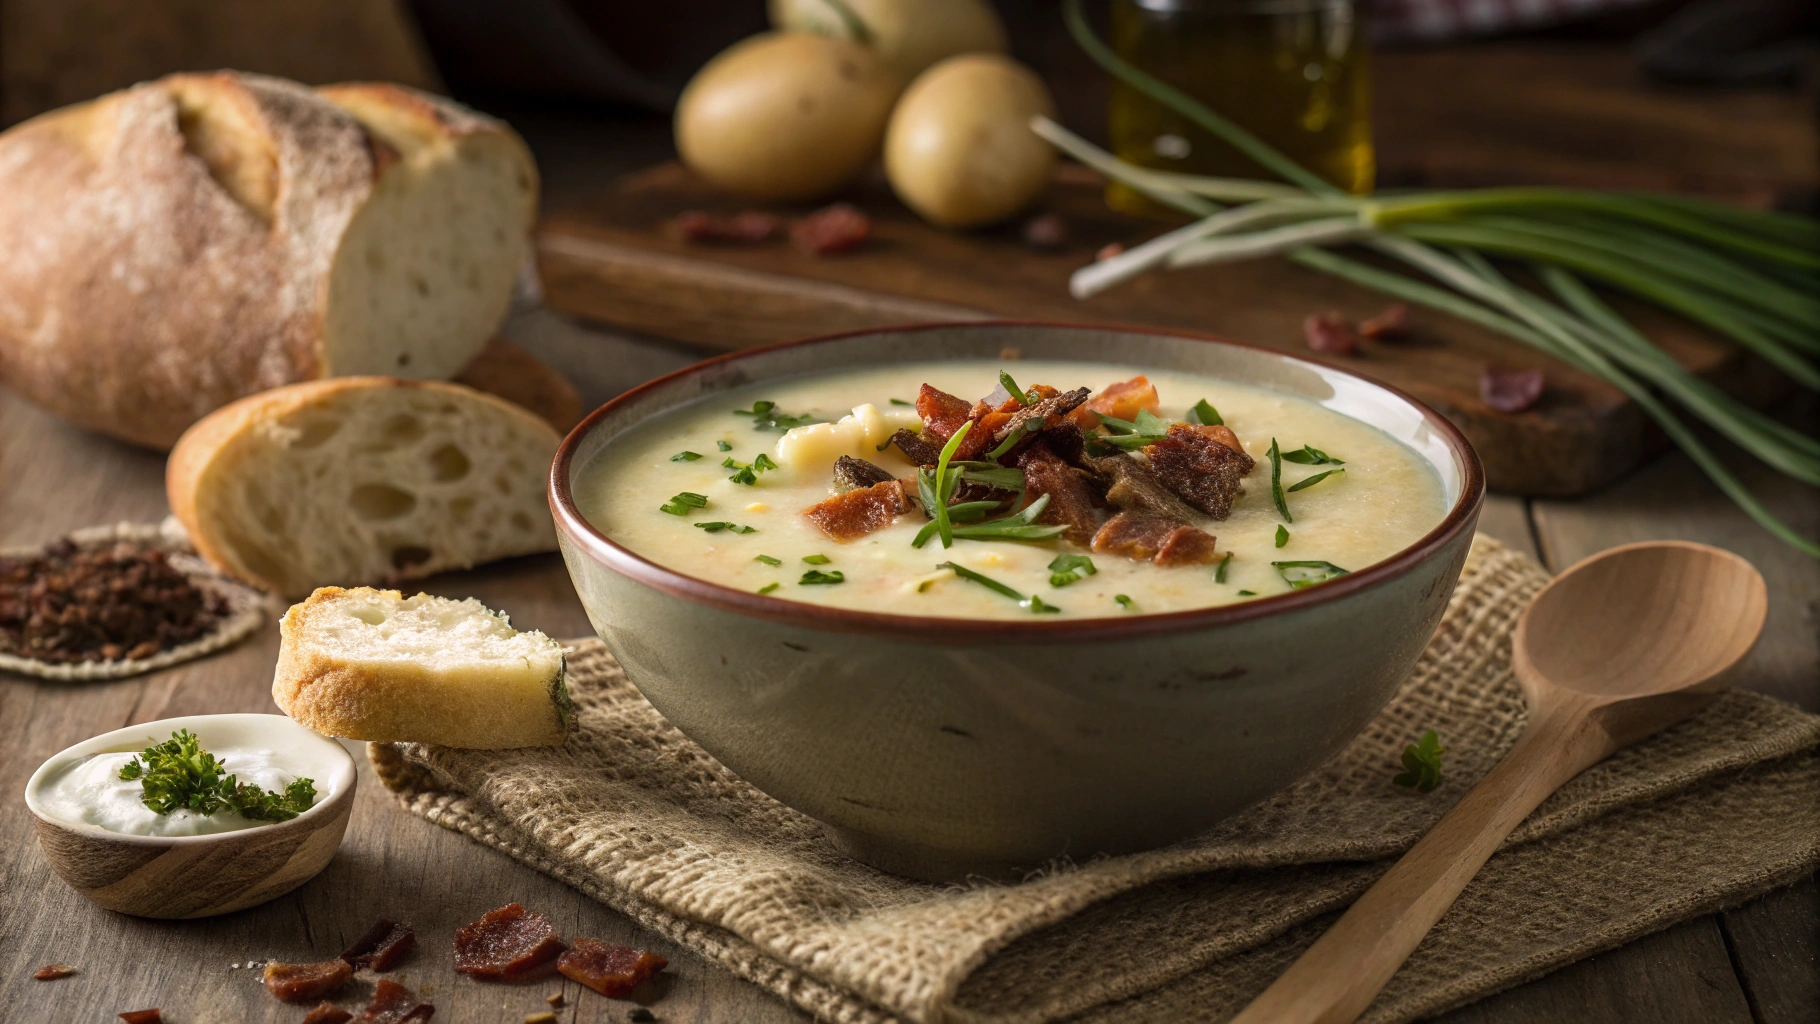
632	813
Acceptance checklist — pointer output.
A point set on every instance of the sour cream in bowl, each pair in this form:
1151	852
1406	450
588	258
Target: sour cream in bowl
102	835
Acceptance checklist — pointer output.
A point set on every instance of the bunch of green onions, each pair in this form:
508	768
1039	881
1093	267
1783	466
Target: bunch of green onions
1748	275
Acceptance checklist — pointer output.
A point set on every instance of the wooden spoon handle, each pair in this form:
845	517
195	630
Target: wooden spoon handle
1338	976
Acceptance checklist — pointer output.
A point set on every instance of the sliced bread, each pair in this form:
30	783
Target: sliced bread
367	664
362	480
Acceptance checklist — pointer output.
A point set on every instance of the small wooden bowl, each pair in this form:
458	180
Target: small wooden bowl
203	875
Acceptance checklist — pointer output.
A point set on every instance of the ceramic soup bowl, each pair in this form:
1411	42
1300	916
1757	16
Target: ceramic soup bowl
942	748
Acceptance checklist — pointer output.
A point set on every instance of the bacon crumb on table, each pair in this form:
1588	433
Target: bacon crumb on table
328	1013
508	944
831	229
51	972
151	1016
608	968
1511	390
383	945
394	1004
303	983
1391	323
750	226
1330	333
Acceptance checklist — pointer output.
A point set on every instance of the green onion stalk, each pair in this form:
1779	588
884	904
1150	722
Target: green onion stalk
1750	276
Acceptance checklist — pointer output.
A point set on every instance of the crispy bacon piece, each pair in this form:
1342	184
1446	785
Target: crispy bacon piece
1391	323
51	972
750	226
1330	333
831	229
1066	440
942	414
1049	412
1070	500
1132	486
383	945
394	1004
151	1016
917	450
328	1013
855	514
1221	433
1203	471
303	983
1122	400
1511	390
1143	536
607	968
507	943
851	474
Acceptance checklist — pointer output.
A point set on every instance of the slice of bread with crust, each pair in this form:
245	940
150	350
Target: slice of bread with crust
362	480
367	664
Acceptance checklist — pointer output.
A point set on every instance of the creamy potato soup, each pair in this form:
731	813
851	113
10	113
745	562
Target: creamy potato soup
1146	492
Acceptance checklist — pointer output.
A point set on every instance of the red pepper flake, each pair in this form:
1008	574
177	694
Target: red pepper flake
51	972
328	1013
1046	232
608	968
302	983
1392	323
1511	390
1109	250
1330	333
393	1004
151	1016
740	228
831	229
383	945
508	943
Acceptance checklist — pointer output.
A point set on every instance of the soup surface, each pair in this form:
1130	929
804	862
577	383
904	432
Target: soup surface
645	491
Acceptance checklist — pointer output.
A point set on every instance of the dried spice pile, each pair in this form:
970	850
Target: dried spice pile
66	605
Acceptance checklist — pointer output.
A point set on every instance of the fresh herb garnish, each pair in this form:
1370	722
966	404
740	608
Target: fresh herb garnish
1033	603
1205	414
936	487
814	576
766	417
1309	455
1016	435
991	474
1123	600
1248	593
1128	434
745	474
768	560
1114	425
1148	422
729	527
1422	763
1015	527
685	456
1276	482
723	446
179	774
1023	397
1036	606
680	504
899	401
1068	569
1282	535
817	559
1307	574
767	588
1311	481
1219	575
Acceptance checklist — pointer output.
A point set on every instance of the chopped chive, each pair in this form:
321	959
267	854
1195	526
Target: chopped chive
924	586
1248	593
768	560
1276	482
729	527
1036	605
723	446
680	504
1005	381
817	559
1123	600
899	401
1219	575
1011	439
1311	481
937	488
1115	425
1307	574
1309	455
1148	422
766	417
767	588
1033	603
685	456
1205	414
1282	535
1004	478
815	576
1068	569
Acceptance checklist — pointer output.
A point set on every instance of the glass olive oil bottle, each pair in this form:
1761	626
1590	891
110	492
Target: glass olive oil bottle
1294	72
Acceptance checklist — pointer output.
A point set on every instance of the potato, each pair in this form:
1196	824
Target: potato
960	151
910	34
786	115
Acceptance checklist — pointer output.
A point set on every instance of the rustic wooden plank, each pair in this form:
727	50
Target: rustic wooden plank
1507	519
1775	947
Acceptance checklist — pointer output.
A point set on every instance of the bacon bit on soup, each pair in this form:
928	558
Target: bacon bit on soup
942	414
327	1013
1051	411
1203	471
1071	502
917	450
1123	400
383	945
610	969
857	513
1330	333
394	1004
1511	390
51	972
747	227
831	229
508	944
302	983
1221	433
1392	323
1142	536
151	1016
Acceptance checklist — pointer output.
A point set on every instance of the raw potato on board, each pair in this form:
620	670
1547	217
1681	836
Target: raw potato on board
910	34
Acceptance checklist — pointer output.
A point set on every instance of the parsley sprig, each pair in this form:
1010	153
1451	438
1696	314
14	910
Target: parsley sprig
179	774
1422	763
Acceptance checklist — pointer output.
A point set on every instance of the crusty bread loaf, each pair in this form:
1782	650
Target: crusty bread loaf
514	374
361	480
369	664
192	240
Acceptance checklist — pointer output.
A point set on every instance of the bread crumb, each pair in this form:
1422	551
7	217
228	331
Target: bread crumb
545	1017
554	999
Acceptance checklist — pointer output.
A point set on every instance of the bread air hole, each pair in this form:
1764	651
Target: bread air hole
448	463
407	555
381	501
370	616
402	429
314	430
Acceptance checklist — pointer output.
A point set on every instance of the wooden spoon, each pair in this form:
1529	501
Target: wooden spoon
1615	649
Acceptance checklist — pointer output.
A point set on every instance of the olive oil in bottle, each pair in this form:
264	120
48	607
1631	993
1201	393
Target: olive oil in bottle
1296	73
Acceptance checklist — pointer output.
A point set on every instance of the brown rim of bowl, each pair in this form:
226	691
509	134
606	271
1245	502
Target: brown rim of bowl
842	620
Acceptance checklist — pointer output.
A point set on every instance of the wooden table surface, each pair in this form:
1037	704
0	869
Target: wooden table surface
1756	963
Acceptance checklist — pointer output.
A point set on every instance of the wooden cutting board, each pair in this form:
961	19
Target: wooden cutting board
612	259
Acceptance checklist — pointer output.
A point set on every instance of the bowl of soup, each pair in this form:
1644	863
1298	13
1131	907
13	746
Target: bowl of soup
980	596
